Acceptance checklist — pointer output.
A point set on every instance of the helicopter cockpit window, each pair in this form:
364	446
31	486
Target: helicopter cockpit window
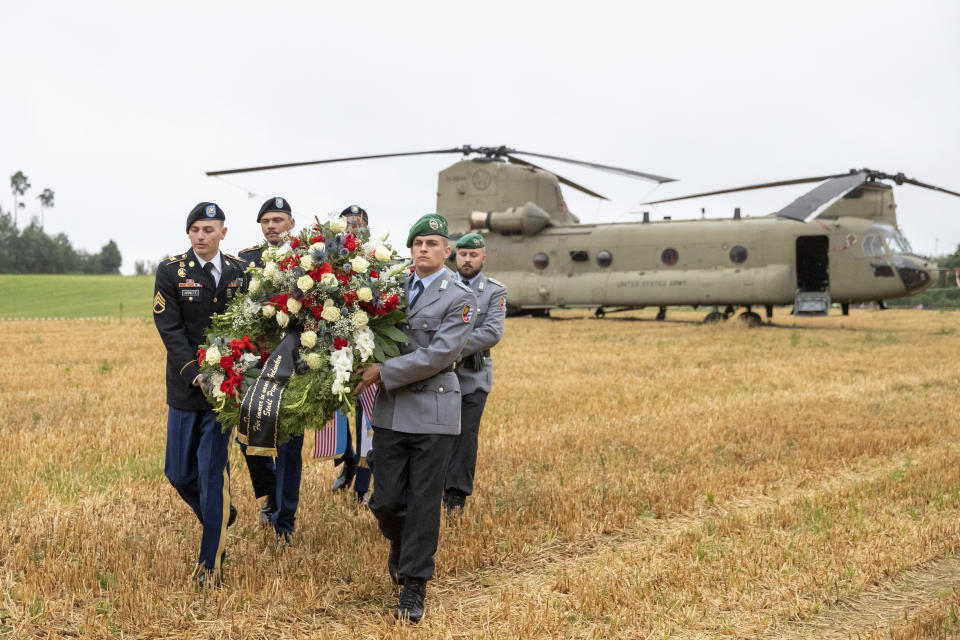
738	255
669	257
541	260
604	258
898	244
873	246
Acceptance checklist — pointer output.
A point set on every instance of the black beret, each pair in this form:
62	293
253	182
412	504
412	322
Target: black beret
355	210
275	204
205	211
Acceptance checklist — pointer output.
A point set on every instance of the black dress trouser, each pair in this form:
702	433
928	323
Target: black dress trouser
408	487
463	459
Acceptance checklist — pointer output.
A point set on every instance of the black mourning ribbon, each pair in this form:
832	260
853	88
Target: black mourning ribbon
260	408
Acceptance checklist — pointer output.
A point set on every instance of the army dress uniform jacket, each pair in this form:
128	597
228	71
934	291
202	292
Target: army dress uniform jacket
419	392
253	256
184	299
475	369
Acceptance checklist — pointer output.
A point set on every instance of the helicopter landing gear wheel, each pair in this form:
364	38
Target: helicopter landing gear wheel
729	311
750	318
662	314
714	317
599	313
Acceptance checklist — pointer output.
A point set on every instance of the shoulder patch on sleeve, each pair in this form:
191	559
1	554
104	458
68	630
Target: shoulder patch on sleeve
495	281
463	286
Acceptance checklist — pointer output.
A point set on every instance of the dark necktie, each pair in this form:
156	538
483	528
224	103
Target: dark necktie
208	269
415	291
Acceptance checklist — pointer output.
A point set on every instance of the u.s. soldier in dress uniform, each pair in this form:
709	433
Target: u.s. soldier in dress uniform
351	472
417	413
475	368
189	289
277	479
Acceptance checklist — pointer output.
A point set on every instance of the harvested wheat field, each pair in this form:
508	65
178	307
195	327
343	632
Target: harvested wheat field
635	479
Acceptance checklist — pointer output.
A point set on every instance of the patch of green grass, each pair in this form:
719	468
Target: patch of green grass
75	296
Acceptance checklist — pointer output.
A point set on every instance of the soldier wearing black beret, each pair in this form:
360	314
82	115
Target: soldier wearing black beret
191	287
352	473
275	218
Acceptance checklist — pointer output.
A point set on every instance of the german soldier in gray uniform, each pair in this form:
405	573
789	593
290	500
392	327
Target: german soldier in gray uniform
416	417
475	368
275	218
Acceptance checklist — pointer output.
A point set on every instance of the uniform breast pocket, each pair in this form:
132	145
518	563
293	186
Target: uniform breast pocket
448	406
426	324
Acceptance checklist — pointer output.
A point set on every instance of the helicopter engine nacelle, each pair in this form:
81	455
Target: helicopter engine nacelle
526	220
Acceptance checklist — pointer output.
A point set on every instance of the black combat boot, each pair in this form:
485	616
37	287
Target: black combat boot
346	477
410	606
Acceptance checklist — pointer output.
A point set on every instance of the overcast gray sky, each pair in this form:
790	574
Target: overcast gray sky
120	107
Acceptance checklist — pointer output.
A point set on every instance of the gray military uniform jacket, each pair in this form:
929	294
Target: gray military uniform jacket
419	392
475	369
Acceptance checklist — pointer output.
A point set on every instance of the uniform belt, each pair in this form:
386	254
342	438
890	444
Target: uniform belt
449	369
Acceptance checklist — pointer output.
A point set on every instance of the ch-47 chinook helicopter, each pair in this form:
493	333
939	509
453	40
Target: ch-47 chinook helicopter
836	243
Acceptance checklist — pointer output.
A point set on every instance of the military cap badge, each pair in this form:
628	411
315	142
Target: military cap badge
434	224
279	203
211	210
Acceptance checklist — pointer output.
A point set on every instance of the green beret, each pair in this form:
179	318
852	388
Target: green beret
432	224
471	241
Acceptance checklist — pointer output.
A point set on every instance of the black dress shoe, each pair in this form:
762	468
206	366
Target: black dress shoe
345	478
284	540
267	510
233	516
207	578
410	606
393	564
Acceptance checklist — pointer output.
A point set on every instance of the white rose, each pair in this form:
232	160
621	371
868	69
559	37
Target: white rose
213	355
306	263
382	253
305	283
360	319
308	339
330	313
268	310
318	246
282	319
313	360
337	225
215	381
364	294
270	269
254	285
293	305
328	279
359	264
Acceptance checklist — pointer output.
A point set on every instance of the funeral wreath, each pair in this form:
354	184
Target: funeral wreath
281	358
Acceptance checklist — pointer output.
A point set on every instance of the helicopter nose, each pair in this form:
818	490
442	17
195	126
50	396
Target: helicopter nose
916	274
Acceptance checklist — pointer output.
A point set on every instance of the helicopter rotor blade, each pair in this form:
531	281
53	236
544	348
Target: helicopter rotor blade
810	204
331	160
630	173
765	185
561	179
917	183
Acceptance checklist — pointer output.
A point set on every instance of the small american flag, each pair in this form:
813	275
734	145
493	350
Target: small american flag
367	399
331	441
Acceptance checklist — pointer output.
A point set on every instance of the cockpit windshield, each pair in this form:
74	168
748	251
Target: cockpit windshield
873	242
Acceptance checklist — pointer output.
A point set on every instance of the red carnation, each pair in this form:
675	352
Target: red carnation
294	243
226	363
316	239
339	343
349	297
201	355
316	310
350	243
374	273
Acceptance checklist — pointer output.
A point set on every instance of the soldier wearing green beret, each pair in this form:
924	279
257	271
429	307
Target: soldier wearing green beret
416	415
474	368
